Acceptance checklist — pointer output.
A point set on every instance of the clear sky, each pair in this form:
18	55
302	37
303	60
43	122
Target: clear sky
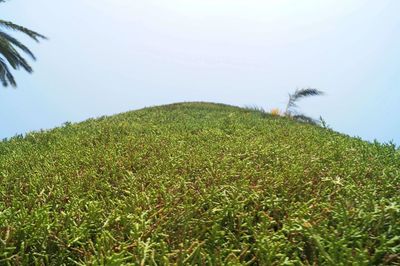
111	56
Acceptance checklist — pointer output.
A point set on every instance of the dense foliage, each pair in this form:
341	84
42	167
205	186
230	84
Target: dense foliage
197	183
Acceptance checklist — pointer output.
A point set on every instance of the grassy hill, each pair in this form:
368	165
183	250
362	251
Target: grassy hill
197	183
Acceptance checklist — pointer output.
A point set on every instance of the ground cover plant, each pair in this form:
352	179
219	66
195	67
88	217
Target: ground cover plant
197	183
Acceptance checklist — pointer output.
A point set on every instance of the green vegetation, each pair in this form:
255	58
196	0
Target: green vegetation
9	54
197	183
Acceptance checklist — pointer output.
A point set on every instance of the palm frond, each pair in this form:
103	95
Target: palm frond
5	75
302	93
11	26
306	119
8	38
292	104
10	51
299	94
13	57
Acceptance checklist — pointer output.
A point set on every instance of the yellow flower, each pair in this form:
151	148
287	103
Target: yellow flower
275	112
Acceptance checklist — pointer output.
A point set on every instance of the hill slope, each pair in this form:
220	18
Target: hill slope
197	183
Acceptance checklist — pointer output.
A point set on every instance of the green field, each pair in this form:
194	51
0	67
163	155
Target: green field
197	183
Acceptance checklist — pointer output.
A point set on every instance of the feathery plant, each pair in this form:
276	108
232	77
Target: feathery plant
10	51
292	104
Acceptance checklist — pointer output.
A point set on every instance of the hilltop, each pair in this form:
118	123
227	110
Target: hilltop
197	183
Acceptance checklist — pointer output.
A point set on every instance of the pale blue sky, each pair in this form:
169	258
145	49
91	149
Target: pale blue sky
111	56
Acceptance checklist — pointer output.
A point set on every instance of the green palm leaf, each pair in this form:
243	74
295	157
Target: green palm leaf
301	93
292	104
11	26
11	49
306	119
